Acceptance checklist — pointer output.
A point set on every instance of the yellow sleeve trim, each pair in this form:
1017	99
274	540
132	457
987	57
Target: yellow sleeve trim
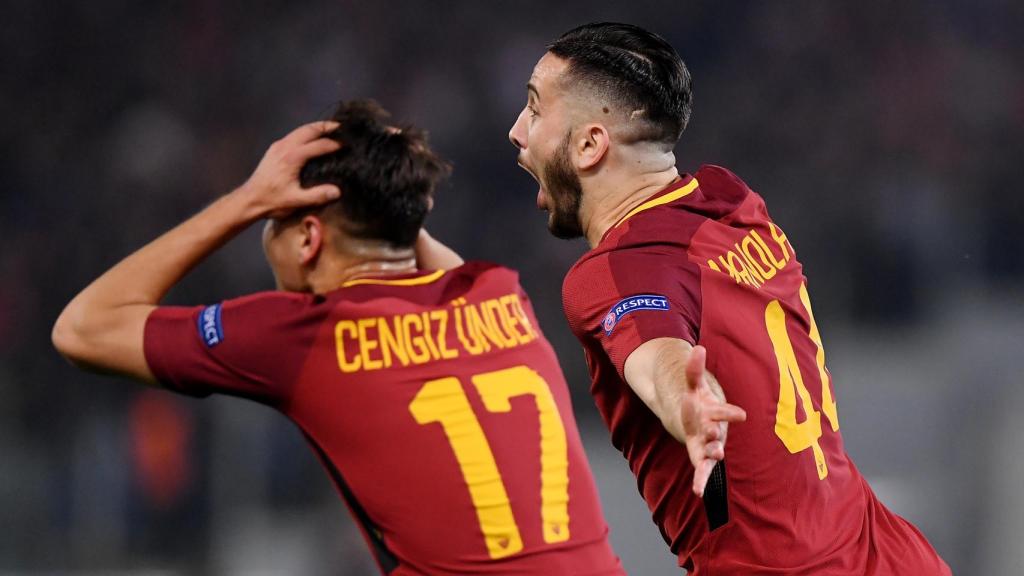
670	197
419	280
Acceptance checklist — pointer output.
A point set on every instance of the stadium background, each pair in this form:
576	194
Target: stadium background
886	138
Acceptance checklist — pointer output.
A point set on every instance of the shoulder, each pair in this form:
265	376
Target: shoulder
480	280
606	275
251	308
482	270
592	273
260	316
270	307
477	275
721	183
720	192
272	299
650	244
672	216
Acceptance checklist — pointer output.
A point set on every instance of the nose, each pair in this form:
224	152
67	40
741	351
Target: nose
517	134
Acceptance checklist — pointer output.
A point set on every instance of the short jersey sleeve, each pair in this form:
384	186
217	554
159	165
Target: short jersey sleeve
624	297
251	346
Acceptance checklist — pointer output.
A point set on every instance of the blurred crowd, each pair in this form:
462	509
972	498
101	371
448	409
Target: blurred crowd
886	138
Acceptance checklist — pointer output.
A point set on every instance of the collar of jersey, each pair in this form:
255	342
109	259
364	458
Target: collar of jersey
404	280
673	192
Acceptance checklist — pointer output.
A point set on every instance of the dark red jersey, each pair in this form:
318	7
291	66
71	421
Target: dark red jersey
433	400
702	261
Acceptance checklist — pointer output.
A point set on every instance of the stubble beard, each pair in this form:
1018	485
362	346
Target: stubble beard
566	191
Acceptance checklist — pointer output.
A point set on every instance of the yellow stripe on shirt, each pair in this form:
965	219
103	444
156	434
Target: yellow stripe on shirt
670	197
419	280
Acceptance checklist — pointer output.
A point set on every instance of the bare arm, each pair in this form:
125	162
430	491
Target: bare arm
431	254
102	327
668	374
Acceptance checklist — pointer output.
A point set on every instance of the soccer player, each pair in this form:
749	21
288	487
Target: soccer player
430	396
687	272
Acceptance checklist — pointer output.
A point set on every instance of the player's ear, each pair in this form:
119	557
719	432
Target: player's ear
311	239
591	145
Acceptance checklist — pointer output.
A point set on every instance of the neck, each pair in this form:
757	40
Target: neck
610	195
359	259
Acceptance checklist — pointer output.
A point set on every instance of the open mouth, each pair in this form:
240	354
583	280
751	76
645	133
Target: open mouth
519	160
542	197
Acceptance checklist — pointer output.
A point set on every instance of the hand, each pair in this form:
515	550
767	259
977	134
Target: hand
273	190
706	418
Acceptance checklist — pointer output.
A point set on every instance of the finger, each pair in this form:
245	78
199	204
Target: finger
714	450
317	147
714	386
713	432
325	193
725	413
695	367
701	473
309	132
298	197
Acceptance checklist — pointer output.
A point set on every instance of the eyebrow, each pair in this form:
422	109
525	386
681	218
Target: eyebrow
531	88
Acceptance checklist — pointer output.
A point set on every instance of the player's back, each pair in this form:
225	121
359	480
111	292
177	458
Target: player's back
435	403
444	418
793	502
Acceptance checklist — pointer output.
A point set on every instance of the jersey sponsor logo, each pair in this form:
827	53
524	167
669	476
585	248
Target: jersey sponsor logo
210	328
632	304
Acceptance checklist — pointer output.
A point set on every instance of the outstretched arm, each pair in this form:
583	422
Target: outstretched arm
431	254
668	374
102	327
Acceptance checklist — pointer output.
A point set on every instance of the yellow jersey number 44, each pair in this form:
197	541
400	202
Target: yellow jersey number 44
799	436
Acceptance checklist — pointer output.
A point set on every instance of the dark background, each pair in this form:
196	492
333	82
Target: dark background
885	137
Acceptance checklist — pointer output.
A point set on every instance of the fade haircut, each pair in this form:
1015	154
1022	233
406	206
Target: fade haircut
387	175
635	70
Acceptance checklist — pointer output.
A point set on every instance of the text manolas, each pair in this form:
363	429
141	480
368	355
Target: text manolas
752	260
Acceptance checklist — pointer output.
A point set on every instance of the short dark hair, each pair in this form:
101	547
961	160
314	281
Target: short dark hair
387	175
635	69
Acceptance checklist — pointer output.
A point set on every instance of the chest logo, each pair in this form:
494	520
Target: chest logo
632	304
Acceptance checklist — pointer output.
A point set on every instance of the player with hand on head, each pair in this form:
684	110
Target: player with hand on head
687	271
430	396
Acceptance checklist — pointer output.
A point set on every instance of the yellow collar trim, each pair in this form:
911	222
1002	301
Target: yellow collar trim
417	281
670	197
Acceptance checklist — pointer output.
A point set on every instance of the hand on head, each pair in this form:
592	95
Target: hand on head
273	189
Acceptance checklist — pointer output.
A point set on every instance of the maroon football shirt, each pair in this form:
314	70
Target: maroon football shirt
702	261
433	400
